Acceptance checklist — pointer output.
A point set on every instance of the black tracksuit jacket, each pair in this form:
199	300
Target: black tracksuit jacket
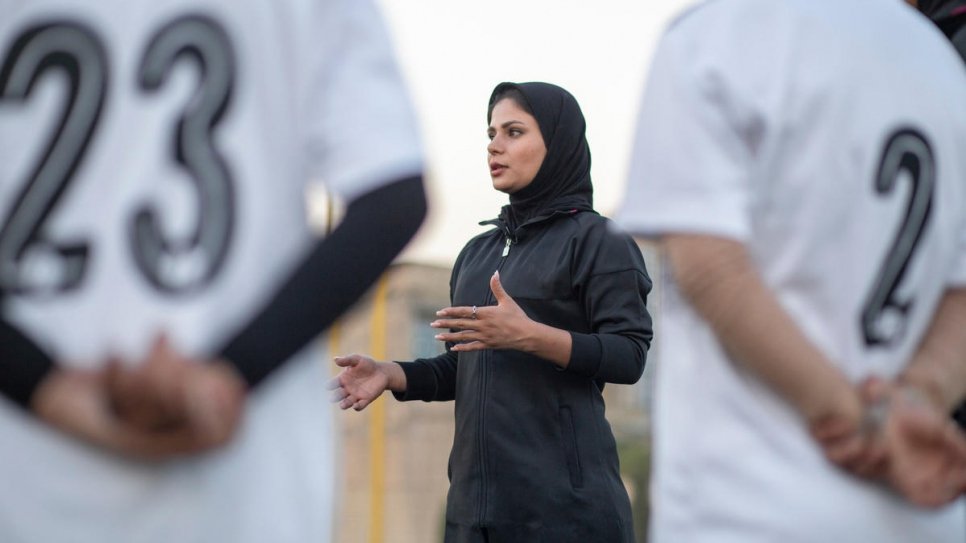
533	457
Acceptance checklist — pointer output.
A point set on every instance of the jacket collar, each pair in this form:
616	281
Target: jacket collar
515	232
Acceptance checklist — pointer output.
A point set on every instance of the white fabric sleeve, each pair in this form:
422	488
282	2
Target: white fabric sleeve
690	162
362	131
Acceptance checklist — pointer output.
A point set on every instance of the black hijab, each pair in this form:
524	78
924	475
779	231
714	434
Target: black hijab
938	10
563	181
950	17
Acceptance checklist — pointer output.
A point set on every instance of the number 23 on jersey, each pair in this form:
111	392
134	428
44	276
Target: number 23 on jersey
171	264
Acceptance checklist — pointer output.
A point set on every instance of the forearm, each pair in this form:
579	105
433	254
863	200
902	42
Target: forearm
939	366
719	279
549	343
338	271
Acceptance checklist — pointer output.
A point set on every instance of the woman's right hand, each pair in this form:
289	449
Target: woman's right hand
361	381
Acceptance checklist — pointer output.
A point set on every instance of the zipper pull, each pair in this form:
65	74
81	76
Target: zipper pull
506	248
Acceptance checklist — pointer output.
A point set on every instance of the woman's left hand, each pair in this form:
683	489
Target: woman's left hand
503	326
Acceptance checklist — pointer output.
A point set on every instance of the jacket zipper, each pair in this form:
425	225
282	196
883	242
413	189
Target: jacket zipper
484	374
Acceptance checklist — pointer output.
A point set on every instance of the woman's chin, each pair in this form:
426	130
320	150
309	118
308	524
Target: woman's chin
506	186
502	187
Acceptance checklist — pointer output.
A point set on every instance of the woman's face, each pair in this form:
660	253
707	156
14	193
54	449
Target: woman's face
516	148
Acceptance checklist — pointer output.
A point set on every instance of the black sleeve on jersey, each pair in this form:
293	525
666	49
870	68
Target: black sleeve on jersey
339	270
22	365
959	415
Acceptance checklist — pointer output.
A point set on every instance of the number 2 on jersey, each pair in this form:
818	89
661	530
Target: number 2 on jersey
77	52
171	265
885	311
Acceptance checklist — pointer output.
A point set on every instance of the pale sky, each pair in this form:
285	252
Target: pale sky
453	53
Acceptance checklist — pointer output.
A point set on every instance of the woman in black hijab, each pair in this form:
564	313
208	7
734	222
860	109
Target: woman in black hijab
547	307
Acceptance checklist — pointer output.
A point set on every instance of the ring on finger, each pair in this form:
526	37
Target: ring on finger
473	316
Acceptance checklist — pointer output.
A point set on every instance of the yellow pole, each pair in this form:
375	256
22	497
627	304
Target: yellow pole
334	340
377	421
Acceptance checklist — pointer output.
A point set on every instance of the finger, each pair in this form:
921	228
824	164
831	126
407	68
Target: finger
955	440
449	311
347	402
455	324
333	384
347	361
117	379
875	393
924	426
216	401
117	386
112	366
873	463
162	352
958	482
459	312
458	337
361	404
846	453
338	395
831	429
497	287
160	342
470	346
210	419
952	487
131	399
930	493
934	494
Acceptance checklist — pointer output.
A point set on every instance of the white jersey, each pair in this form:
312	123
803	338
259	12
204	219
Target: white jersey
154	157
827	136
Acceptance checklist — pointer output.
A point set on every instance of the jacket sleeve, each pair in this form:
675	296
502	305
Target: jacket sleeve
433	379
612	283
430	379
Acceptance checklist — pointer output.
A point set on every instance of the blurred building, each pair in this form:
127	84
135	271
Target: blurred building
393	455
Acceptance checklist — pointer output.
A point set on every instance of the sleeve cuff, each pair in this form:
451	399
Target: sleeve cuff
585	354
420	382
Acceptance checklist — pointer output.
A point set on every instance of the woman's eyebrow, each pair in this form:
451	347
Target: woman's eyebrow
506	124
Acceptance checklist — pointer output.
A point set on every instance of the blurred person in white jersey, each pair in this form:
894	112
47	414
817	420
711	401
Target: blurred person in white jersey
801	163
154	158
